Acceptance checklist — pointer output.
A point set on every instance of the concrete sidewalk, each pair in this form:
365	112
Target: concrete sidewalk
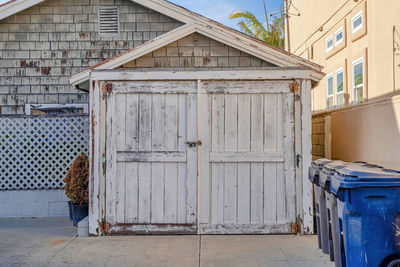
52	242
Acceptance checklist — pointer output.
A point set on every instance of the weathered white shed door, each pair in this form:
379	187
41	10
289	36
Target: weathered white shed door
151	173
242	176
246	162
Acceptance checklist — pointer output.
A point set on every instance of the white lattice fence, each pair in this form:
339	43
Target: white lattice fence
36	152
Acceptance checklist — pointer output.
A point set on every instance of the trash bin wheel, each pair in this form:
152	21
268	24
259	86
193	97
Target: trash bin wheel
393	263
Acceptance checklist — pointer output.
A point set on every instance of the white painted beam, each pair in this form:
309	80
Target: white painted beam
218	74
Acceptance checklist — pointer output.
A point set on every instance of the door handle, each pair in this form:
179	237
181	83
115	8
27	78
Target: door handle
193	143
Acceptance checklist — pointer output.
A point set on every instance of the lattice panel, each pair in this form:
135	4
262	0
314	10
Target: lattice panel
36	152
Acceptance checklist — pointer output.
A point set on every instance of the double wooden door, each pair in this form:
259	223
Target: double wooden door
200	157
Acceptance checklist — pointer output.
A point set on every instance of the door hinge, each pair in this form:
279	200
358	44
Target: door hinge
193	143
107	87
294	88
296	228
104	228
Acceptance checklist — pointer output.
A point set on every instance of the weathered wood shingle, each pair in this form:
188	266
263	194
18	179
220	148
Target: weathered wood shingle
42	46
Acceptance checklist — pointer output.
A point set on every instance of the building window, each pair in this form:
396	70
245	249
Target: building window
339	36
109	21
329	93
339	86
56	109
329	43
356	22
358	80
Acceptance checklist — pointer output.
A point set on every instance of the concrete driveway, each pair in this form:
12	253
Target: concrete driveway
52	242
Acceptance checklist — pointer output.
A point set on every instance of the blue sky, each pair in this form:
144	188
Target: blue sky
220	10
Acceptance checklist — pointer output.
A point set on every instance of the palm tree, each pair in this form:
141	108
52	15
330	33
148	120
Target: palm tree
273	34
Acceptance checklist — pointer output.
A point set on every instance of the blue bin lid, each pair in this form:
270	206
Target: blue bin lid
329	170
321	162
316	167
358	175
392	171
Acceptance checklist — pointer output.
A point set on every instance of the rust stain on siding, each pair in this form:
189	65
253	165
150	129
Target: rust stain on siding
46	70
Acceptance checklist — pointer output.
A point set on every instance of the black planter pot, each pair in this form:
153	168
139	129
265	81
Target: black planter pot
70	203
79	212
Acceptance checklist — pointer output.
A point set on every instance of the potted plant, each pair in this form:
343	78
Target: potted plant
70	203
77	187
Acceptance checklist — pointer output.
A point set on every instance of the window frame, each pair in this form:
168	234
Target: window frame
329	38
328	76
353	19
340	30
30	107
353	64
338	71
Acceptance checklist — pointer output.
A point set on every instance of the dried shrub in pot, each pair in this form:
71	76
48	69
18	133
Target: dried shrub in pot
77	180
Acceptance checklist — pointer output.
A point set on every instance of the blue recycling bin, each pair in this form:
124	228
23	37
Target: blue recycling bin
320	204
332	220
368	203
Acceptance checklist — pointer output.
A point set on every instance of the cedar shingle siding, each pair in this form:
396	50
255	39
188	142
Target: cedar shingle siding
43	45
197	51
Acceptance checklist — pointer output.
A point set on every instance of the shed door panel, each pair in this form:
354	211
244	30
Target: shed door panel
156	173
250	187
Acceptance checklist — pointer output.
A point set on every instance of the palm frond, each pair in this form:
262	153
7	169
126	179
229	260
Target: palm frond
273	35
245	29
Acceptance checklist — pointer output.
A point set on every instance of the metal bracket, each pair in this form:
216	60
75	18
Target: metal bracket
294	88
296	228
104	228
107	87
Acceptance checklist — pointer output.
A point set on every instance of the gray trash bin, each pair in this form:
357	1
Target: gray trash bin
320	204
331	210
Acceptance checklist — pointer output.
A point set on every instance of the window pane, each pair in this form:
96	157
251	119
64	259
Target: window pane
339	36
329	43
339	82
357	22
330	86
329	102
340	100
358	74
358	94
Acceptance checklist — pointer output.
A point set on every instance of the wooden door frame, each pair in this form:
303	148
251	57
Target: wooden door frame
300	85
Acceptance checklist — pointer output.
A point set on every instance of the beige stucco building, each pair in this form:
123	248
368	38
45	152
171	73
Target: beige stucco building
356	107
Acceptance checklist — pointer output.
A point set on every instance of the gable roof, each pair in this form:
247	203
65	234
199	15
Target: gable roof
234	39
193	23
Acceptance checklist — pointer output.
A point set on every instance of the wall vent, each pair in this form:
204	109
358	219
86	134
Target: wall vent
109	20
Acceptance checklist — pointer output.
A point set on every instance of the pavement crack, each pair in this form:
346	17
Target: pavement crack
282	250
199	250
58	252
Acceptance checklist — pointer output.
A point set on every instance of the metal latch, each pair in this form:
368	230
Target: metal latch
298	160
193	143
